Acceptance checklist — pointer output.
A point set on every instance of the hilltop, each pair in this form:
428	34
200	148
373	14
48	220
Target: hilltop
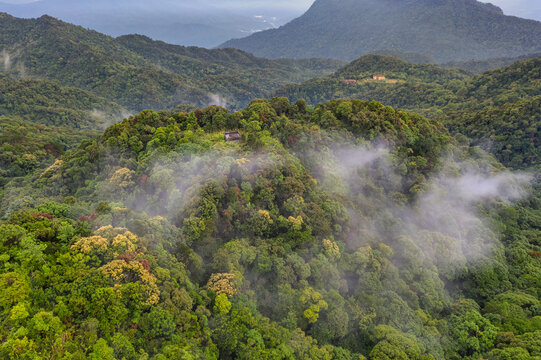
465	102
346	231
445	30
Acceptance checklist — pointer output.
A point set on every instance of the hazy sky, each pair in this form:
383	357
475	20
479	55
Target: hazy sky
524	8
206	23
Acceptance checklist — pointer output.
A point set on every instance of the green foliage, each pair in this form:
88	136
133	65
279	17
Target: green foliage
498	110
133	71
160	240
26	146
473	334
511	130
48	103
480	66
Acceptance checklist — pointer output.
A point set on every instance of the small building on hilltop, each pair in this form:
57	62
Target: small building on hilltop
349	81
378	77
232	136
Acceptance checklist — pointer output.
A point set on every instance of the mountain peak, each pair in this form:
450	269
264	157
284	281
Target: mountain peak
443	29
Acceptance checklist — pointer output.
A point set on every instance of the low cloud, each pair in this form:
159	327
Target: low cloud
443	219
6	59
216	99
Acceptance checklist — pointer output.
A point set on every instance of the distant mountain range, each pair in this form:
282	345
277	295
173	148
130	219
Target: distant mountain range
176	22
446	30
139	73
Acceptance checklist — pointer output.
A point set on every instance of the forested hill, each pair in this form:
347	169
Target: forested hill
346	231
139	73
393	68
449	94
48	103
444	29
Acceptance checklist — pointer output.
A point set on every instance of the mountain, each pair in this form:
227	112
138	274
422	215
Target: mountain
409	86
343	229
139	73
368	65
447	30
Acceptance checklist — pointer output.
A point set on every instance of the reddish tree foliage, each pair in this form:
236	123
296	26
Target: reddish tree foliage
89	218
51	150
292	140
127	257
145	264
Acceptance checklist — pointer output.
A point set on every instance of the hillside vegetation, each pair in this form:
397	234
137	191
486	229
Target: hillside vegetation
139	73
49	103
480	66
26	146
462	101
355	217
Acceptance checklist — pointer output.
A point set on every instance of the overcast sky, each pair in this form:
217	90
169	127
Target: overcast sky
524	8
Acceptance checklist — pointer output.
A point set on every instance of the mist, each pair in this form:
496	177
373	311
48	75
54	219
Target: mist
216	99
360	175
6	59
445	221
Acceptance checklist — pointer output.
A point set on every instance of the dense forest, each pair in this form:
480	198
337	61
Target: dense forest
497	107
349	230
49	103
26	146
480	66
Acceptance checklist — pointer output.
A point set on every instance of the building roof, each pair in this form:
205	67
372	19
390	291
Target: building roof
232	136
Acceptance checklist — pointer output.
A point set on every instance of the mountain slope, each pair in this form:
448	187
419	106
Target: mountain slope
139	73
444	29
49	103
27	145
512	131
409	86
